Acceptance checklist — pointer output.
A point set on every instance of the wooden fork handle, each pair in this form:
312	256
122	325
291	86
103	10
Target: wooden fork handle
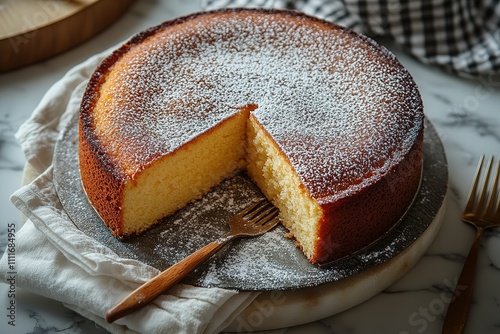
147	292
456	316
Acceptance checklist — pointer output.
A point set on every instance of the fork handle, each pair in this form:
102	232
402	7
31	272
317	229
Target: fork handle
456	316
147	292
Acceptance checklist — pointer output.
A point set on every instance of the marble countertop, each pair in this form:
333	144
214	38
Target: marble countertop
464	112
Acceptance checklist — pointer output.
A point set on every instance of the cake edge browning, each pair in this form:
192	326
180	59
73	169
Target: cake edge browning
98	171
390	198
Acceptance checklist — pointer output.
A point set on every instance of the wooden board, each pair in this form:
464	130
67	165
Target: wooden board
33	30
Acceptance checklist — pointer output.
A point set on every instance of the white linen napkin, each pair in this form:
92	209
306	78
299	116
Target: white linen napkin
57	260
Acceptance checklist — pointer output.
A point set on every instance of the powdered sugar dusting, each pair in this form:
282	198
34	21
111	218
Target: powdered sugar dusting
337	105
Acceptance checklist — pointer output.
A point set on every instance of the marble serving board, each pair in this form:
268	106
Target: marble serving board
265	263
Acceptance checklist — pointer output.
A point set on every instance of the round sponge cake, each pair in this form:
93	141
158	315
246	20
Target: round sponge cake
326	122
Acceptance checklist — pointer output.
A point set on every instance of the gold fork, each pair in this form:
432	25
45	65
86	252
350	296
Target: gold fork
252	221
482	211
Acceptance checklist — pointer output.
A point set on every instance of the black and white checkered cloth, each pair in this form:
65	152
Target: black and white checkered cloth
462	36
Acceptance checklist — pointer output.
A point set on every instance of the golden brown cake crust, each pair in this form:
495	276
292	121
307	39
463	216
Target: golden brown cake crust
365	104
371	212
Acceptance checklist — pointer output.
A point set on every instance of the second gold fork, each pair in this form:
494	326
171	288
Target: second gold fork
481	211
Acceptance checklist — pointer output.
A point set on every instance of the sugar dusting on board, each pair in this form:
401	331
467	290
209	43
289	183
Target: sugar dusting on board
336	104
211	212
243	262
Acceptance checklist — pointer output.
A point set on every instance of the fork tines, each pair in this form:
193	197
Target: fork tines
260	210
488	198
